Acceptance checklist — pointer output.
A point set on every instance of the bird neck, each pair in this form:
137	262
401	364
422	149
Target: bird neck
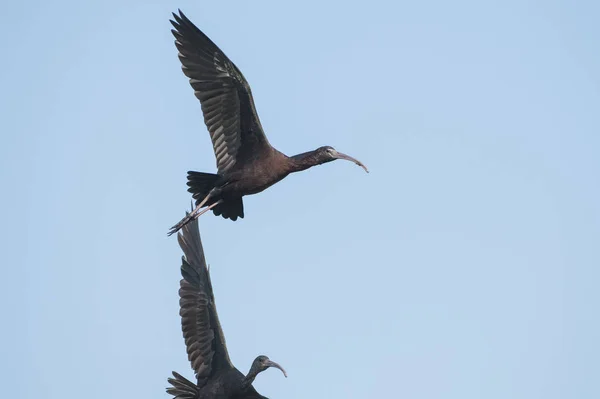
303	161
249	379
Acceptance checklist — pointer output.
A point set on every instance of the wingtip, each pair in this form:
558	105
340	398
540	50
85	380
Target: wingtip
182	15
181	18
178	18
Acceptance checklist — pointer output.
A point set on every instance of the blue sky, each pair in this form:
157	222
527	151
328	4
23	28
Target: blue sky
465	265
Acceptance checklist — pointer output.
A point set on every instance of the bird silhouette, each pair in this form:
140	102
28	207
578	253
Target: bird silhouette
246	162
204	340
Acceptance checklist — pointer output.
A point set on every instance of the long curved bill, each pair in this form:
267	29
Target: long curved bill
271	363
341	155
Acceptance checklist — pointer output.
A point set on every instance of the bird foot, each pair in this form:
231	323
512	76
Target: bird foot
188	218
196	213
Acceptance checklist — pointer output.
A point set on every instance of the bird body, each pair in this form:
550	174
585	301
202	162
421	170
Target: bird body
246	162
216	376
272	167
228	384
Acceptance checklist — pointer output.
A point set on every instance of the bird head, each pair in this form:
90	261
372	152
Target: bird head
262	362
327	154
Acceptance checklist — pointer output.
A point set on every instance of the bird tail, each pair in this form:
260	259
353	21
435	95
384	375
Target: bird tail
182	388
200	184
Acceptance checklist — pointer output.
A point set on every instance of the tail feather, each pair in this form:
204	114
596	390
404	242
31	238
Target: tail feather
200	184
230	209
182	388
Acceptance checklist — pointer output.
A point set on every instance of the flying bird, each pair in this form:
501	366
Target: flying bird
246	162
204	339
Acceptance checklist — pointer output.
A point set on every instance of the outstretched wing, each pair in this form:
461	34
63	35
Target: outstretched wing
202	331
225	96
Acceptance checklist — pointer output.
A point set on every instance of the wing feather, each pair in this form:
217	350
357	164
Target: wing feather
224	94
204	339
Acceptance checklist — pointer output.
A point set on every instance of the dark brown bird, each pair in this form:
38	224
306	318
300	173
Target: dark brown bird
204	340
246	162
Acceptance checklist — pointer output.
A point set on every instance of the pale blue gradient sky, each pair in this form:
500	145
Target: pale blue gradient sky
465	265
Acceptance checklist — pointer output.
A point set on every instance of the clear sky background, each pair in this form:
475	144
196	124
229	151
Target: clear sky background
465	265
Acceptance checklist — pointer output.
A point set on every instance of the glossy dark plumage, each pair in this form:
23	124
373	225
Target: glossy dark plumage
246	162
204	339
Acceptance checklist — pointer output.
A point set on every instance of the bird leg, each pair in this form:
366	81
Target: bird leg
194	215
207	209
200	205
